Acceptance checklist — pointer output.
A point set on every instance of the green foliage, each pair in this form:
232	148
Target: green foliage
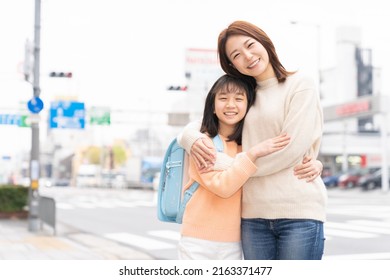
93	155
13	198
120	155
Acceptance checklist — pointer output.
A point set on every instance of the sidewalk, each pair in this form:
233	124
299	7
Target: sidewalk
18	243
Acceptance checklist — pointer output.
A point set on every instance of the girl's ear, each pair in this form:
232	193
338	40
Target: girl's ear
231	65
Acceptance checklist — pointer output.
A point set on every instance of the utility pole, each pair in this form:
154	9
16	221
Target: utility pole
35	105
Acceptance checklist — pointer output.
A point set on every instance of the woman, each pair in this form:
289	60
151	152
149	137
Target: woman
211	221
282	216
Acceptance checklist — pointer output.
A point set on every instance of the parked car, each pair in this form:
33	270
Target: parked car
331	180
113	180
351	177
371	181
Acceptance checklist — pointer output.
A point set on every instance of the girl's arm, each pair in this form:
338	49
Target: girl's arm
309	169
225	183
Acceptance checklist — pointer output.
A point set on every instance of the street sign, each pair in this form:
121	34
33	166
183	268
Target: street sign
35	105
100	116
67	114
10	119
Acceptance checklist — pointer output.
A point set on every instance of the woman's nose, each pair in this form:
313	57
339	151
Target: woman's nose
247	54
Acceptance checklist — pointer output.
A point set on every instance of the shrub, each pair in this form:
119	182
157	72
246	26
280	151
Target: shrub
13	198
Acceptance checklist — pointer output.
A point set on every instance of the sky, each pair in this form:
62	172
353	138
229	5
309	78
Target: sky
124	53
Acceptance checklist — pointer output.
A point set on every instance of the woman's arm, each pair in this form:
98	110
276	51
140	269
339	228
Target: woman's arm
308	169
226	182
198	145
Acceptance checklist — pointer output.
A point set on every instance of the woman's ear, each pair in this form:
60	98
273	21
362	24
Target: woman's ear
231	65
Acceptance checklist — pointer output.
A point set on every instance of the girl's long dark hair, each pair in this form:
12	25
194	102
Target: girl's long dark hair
226	83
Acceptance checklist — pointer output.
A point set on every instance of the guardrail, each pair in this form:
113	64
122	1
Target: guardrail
47	212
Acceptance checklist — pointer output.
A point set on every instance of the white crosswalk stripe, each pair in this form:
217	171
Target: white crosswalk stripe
140	241
356	229
329	233
370	256
167	234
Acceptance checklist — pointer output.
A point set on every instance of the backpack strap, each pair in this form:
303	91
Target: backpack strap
218	143
186	197
194	186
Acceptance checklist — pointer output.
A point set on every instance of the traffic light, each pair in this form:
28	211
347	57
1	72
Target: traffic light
178	88
61	74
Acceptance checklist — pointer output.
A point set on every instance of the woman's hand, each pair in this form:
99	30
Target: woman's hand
309	169
203	153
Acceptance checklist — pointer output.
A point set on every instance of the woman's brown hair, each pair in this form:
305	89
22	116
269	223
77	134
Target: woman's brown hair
247	29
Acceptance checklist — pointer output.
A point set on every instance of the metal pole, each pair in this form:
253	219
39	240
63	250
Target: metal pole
33	219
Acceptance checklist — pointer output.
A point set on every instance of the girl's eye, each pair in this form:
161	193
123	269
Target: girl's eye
222	98
236	55
251	44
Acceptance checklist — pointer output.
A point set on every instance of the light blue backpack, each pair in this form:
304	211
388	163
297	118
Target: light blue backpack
174	175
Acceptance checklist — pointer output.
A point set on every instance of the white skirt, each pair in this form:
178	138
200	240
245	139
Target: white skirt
199	249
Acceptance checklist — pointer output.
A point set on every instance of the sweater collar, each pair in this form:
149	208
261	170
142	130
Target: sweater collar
268	83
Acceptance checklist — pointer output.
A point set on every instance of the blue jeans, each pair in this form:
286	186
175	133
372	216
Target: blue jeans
282	239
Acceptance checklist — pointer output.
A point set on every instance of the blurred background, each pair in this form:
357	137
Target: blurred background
119	79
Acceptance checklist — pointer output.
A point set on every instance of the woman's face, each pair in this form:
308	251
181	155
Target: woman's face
249	57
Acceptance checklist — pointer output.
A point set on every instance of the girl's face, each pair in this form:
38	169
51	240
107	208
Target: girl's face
249	57
230	108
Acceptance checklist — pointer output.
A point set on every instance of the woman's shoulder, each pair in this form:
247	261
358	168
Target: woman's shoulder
301	78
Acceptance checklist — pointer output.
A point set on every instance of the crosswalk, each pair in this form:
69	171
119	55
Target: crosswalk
352	229
155	240
349	220
365	221
149	242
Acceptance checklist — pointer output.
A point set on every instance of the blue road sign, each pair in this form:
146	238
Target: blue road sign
67	114
10	119
35	105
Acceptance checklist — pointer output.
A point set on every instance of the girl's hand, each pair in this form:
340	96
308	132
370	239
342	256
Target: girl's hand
309	169
203	152
268	146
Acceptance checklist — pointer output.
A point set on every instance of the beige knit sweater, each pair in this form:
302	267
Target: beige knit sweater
273	192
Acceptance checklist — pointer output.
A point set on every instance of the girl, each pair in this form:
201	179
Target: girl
282	217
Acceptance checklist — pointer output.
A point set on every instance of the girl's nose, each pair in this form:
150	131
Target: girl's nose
230	103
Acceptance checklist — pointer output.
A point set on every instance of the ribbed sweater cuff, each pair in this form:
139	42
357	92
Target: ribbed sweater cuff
189	136
246	164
